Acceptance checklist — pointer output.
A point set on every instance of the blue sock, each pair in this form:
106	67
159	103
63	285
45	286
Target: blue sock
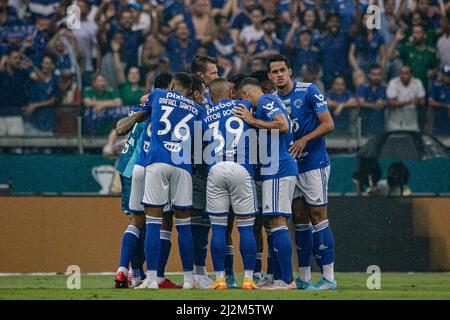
247	243
195	229
323	244
205	225
152	242
130	243
304	244
271	254
218	242
283	249
138	259
185	243
258	263
165	252
229	260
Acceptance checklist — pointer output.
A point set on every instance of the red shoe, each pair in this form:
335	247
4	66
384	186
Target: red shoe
168	284
121	281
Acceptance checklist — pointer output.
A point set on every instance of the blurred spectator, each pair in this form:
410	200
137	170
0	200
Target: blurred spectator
343	104
254	31
15	71
396	181
367	48
141	19
96	99
86	36
304	53
372	99
346	9
334	43
242	19
68	102
130	90
109	60
311	74
181	48
389	25
439	100
67	51
417	54
269	44
198	19
39	114
404	94
443	44
222	47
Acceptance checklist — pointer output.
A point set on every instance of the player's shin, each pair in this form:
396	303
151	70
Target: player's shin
165	252
324	249
152	246
218	244
283	250
185	244
247	245
304	246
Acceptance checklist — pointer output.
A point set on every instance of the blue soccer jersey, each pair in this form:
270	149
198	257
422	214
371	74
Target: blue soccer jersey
304	103
269	106
228	137
172	126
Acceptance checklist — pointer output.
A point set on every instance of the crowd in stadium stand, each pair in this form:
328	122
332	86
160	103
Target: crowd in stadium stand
394	77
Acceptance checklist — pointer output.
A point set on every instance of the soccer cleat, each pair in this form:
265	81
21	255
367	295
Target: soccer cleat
280	285
264	281
121	280
148	285
135	282
257	277
249	284
303	285
219	284
187	285
168	284
231	280
324	284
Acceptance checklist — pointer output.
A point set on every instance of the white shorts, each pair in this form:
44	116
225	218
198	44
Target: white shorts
312	186
277	195
137	189
165	183
229	183
12	126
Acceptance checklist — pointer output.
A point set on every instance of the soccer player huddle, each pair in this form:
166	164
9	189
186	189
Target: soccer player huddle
204	152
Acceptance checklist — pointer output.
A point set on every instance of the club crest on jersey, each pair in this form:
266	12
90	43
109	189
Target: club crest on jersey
298	103
172	146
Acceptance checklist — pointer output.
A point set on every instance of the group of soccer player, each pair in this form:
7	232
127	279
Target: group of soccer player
165	178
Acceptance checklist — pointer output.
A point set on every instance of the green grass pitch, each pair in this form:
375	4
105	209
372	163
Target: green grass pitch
350	286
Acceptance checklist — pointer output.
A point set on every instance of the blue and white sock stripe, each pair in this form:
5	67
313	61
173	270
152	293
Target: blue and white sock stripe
165	235
219	221
195	221
279	229
205	222
245	223
303	227
230	249
182	222
133	230
259	255
153	220
322	225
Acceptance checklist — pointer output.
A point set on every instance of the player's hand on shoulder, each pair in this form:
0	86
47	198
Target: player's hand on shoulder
244	113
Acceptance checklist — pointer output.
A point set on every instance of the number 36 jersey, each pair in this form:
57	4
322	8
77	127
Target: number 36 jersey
172	127
227	135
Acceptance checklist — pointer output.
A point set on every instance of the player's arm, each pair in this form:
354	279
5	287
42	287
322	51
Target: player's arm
125	125
278	122
325	127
